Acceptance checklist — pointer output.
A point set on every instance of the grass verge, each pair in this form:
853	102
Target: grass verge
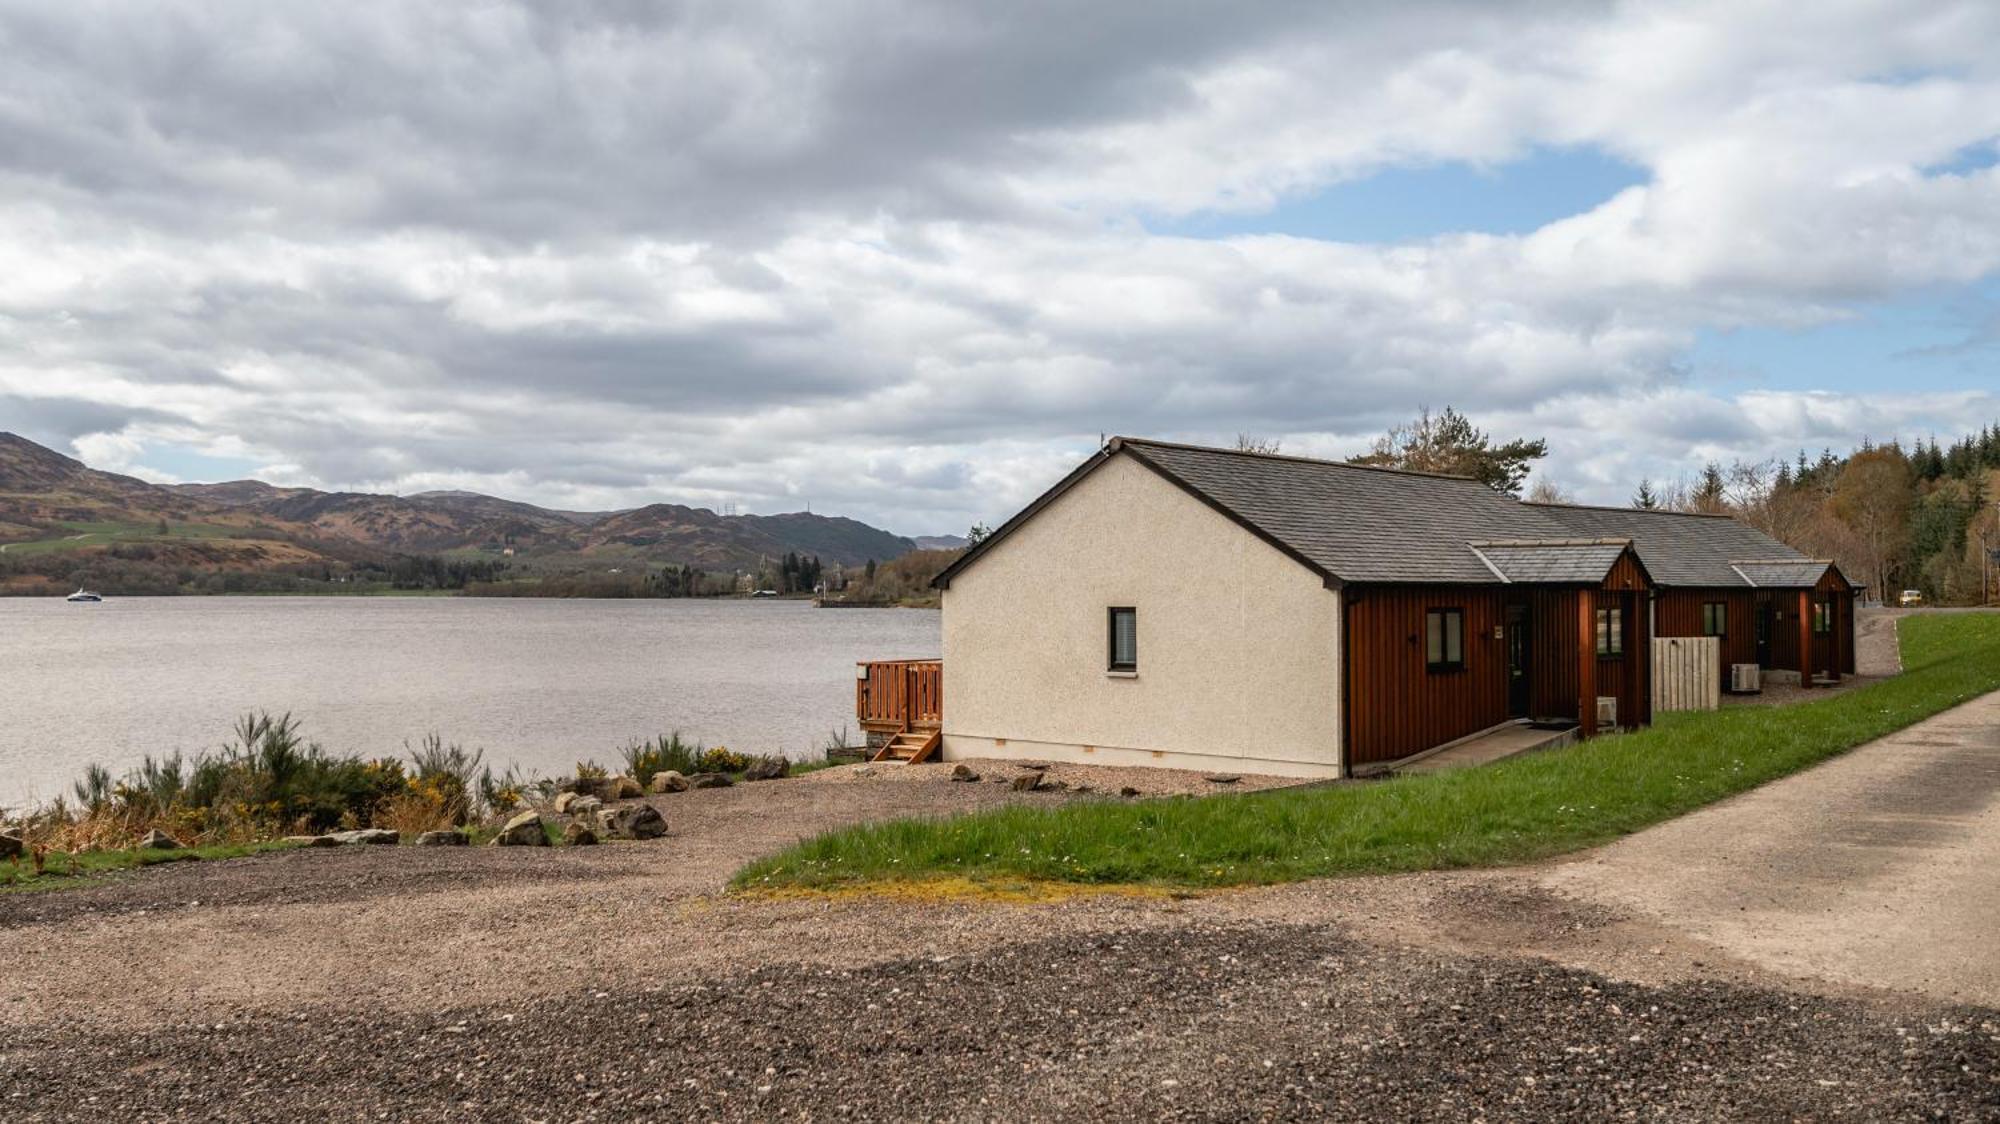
63	870
1515	811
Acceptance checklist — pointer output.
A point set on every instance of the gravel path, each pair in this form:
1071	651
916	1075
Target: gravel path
1211	1022
1880	867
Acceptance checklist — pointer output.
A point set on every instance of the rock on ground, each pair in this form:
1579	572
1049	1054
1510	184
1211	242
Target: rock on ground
367	835
453	838
767	769
11	847
604	788
710	780
667	780
524	830
157	840
577	835
631	821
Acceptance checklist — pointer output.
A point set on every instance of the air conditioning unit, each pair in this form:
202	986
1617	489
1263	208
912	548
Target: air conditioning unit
1745	678
1607	712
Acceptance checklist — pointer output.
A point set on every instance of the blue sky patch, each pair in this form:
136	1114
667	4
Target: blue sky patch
186	464
1407	204
1940	339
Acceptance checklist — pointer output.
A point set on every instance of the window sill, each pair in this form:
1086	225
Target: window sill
1121	675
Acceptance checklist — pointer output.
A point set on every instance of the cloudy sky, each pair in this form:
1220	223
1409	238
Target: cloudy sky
907	261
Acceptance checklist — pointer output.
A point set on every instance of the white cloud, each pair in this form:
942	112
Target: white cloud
890	258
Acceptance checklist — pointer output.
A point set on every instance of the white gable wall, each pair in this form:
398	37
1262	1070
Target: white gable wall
1239	661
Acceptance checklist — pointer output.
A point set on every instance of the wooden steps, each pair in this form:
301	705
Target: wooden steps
910	746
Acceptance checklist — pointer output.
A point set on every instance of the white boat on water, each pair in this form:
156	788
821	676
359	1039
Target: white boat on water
84	595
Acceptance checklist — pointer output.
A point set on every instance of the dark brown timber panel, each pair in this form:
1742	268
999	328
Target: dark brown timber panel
1396	705
1680	614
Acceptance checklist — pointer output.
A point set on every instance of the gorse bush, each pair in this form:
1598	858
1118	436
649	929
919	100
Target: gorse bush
721	759
666	753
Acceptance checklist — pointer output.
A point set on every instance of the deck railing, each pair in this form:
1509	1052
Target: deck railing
899	694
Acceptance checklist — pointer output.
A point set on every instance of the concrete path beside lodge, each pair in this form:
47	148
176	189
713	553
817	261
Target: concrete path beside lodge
1880	868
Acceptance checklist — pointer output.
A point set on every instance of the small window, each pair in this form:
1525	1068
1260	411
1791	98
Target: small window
1715	618
1822	616
1124	640
1444	639
1610	633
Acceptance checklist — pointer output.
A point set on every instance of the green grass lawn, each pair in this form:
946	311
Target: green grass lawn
1517	810
64	870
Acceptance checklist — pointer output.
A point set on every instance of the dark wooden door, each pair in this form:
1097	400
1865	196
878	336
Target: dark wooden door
1520	660
1763	614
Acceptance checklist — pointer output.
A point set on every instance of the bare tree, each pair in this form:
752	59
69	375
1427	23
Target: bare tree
1251	443
1548	491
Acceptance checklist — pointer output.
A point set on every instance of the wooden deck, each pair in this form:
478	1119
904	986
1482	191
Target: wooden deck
891	696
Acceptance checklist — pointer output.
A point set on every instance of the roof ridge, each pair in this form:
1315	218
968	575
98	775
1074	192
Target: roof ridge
1549	542
1634	510
1294	458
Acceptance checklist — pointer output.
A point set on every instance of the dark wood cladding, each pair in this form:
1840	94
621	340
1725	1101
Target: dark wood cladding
1787	615
1396	705
1678	612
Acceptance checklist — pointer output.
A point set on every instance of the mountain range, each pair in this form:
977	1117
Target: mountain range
56	502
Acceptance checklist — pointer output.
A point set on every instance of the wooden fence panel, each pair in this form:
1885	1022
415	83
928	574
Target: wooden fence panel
1687	673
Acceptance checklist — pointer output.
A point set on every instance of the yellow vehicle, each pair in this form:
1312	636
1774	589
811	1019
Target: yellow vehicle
1911	597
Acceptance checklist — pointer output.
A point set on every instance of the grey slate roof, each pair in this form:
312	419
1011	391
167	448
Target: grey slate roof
1351	523
1354	523
1781	575
1678	549
1584	561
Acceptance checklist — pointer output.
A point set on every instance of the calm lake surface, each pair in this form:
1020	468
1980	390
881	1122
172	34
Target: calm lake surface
536	683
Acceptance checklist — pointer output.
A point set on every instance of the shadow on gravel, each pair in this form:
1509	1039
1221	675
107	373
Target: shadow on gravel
1217	1022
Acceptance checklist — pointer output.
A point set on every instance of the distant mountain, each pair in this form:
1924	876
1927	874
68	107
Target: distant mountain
43	492
700	537
941	542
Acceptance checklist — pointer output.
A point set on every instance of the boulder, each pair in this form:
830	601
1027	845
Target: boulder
1222	778
577	835
626	788
366	835
563	802
585	806
313	840
767	769
710	780
157	840
524	830
1027	782
667	780
1128	790
11	847
964	773
442	839
604	788
631	821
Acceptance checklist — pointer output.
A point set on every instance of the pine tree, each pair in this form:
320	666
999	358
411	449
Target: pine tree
1712	495
1644	499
